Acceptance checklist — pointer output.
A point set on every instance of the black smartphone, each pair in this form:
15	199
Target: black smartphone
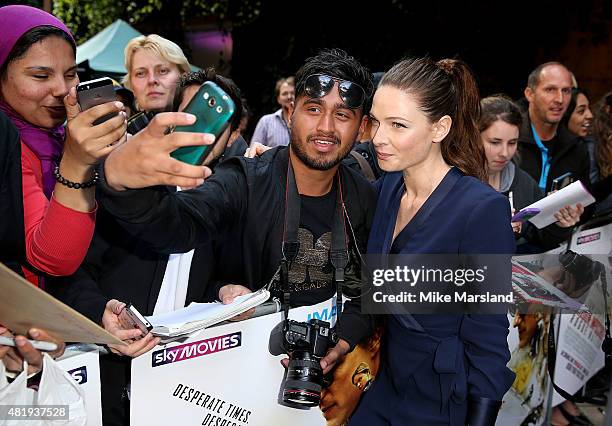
131	318
561	181
214	110
96	92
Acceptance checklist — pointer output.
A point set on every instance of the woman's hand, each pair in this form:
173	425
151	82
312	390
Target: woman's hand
87	144
13	357
568	216
516	226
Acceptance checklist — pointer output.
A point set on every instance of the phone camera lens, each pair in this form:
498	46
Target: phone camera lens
212	102
219	109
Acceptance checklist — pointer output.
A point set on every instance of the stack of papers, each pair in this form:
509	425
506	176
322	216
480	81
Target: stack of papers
197	316
568	196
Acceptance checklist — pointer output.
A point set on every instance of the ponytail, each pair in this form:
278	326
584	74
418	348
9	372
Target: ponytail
463	148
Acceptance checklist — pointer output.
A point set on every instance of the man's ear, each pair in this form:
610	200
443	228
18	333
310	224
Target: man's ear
363	128
232	138
290	112
529	94
441	128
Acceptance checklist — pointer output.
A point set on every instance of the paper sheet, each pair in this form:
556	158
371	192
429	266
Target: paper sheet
568	196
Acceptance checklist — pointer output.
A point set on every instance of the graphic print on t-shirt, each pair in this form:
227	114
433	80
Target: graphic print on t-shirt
311	273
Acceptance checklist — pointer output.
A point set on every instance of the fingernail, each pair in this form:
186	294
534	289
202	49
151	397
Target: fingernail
199	181
190	117
118	104
208	138
34	333
20	340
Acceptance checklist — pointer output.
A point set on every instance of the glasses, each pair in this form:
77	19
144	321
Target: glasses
319	85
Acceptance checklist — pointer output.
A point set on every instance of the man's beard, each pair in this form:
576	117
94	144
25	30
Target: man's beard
319	162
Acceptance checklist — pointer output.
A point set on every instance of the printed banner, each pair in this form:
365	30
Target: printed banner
83	364
225	376
579	336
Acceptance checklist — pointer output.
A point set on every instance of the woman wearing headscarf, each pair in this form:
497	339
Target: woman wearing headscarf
48	172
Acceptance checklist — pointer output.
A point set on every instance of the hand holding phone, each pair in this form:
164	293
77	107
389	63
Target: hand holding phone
561	181
130	318
96	92
213	109
524	215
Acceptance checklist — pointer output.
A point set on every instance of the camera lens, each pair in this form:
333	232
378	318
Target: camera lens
304	380
212	102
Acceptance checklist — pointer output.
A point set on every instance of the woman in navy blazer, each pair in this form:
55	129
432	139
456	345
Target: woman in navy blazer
438	369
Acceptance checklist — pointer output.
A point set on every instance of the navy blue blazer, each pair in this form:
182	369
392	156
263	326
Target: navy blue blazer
448	357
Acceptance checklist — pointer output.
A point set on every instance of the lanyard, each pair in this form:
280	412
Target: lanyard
545	160
338	252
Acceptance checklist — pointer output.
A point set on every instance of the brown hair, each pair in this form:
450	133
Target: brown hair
446	87
602	130
498	107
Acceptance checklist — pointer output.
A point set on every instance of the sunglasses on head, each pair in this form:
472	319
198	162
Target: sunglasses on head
319	85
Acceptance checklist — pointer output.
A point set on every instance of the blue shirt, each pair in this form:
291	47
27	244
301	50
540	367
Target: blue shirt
272	130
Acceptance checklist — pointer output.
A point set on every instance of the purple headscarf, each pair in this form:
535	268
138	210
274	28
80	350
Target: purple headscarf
47	144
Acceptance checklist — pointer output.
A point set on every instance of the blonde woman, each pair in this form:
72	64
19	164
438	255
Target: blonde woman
154	66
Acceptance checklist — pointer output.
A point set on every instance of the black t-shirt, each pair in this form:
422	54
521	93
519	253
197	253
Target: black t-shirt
552	145
311	274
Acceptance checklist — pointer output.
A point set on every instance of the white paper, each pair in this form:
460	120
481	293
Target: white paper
568	196
201	315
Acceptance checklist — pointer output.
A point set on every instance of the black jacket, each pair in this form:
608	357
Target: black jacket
570	155
12	234
245	196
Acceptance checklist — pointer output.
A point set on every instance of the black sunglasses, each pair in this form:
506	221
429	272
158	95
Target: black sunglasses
319	85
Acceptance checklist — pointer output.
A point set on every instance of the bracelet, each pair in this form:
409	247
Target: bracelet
76	185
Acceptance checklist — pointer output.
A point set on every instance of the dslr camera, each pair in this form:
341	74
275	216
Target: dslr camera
585	270
305	343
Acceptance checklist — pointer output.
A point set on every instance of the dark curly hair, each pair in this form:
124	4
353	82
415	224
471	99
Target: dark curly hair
336	63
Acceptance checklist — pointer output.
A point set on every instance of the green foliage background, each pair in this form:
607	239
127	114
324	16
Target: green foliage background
86	18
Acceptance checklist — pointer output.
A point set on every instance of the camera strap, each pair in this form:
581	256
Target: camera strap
338	252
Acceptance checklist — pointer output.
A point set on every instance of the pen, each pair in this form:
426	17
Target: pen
37	344
511	201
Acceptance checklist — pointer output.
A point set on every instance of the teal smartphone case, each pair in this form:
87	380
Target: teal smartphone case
214	110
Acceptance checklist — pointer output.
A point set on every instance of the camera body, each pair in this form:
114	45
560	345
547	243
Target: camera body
306	343
312	336
585	270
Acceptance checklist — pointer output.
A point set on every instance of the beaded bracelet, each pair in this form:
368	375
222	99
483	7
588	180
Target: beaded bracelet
75	185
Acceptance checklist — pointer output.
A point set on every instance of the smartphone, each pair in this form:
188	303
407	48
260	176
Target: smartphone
95	92
131	318
139	121
214	109
37	344
524	215
561	181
